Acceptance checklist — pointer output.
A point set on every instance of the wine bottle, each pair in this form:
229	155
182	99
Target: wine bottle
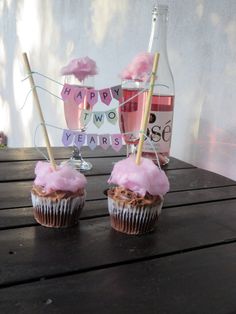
159	128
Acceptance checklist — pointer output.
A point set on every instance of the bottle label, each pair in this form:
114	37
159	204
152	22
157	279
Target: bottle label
159	131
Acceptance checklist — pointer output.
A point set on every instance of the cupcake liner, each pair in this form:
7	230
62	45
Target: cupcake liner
133	219
57	213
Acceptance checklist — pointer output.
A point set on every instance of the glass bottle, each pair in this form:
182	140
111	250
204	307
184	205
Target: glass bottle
159	128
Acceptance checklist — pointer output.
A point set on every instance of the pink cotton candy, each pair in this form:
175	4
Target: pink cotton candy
140	67
81	68
146	177
65	178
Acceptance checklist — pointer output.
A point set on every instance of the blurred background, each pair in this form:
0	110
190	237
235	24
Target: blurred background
201	47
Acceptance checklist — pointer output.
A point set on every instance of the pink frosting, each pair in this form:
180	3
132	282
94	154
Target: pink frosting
146	177
140	67
65	178
81	68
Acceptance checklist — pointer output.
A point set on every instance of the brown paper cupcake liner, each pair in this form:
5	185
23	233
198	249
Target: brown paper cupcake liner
133	219
57	213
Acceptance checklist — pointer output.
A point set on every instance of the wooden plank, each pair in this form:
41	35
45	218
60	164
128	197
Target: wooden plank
200	196
175	163
35	252
196	178
17	194
30	153
20	217
24	170
196	282
16	217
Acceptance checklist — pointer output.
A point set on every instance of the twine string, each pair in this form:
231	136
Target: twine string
40	87
43	75
145	89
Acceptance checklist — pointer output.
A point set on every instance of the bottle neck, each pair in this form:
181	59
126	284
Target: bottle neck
158	38
158	43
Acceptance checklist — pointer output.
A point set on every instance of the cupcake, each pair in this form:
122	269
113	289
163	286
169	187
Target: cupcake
135	202
58	196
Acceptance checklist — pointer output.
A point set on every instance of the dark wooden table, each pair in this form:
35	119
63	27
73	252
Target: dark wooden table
188	265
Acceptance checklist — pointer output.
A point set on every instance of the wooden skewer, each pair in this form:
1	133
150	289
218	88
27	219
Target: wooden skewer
147	108
36	100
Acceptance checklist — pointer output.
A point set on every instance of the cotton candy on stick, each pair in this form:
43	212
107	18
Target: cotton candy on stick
147	107
36	100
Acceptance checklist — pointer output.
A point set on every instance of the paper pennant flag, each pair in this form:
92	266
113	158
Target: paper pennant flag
92	96
79	139
92	141
116	92
112	116
67	137
79	95
98	118
85	117
67	92
105	96
116	141
104	141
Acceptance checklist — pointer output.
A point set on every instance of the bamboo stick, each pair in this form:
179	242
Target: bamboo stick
40	113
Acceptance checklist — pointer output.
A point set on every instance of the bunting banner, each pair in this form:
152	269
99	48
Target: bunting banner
92	140
78	94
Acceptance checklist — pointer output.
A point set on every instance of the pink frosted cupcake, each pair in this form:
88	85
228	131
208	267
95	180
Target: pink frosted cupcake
135	202
58	197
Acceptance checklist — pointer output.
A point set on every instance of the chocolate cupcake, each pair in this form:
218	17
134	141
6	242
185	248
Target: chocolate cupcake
135	203
58	197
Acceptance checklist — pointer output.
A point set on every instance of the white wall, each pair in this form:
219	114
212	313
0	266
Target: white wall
202	50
